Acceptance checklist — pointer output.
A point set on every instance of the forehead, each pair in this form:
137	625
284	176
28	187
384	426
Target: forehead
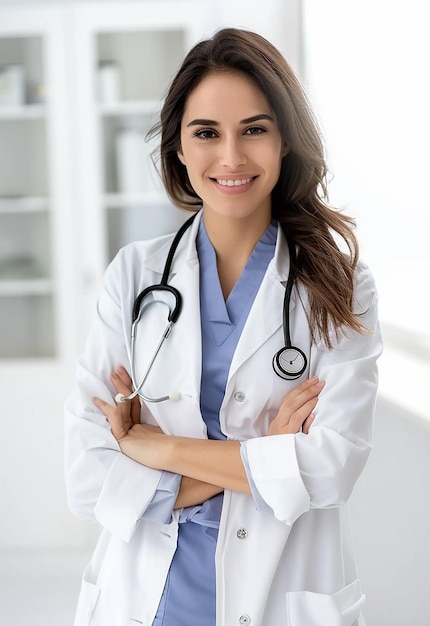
225	92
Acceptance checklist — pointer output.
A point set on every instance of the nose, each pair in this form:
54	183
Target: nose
232	153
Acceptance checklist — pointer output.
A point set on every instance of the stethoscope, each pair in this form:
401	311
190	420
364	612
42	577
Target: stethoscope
289	362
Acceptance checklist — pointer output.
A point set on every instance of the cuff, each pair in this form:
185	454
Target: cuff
127	491
274	468
161	506
260	504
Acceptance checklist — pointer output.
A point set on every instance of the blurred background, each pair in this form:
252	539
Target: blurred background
80	84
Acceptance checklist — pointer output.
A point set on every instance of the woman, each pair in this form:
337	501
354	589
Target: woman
224	504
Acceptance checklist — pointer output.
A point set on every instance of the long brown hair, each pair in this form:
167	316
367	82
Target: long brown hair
299	199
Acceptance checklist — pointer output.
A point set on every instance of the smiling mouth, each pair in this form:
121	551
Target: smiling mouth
233	183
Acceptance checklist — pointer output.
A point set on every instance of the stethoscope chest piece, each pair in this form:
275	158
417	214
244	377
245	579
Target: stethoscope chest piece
290	362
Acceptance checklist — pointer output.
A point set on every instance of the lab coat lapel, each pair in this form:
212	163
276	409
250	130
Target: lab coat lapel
180	363
187	336
266	315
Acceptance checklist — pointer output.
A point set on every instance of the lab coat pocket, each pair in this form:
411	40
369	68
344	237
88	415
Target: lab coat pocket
342	608
88	597
90	589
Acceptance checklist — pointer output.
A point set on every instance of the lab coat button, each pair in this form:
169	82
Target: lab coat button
244	620
242	533
239	396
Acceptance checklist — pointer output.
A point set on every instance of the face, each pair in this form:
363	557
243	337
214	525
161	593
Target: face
231	146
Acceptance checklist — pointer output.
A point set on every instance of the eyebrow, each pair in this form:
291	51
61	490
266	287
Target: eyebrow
247	120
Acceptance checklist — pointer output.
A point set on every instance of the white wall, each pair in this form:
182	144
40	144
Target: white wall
390	516
278	20
368	71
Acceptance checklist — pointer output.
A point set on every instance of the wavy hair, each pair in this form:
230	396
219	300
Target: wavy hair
300	198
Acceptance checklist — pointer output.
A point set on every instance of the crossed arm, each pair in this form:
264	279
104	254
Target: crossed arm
207	466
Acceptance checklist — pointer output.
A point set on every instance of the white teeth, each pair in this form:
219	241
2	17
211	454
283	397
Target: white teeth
233	183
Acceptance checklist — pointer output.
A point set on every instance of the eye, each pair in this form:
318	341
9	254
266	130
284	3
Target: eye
205	133
255	130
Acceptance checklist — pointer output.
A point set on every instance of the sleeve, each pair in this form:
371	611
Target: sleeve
161	506
260	504
294	473
103	484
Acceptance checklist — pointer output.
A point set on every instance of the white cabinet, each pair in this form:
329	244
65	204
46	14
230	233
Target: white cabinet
124	60
27	291
37	284
80	85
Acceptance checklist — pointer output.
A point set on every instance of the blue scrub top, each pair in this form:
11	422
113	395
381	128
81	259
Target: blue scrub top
189	594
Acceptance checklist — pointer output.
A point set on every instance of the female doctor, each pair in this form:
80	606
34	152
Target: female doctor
221	483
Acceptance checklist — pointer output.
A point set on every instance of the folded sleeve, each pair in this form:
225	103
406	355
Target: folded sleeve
161	506
295	472
260	504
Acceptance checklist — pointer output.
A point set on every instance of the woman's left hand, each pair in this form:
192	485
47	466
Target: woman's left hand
140	442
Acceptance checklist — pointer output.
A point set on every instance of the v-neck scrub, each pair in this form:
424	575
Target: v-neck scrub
222	321
190	585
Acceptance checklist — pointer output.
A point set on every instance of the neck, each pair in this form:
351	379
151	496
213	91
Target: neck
235	237
233	241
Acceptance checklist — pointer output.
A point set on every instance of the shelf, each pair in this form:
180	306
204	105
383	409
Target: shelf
23	204
25	287
24	112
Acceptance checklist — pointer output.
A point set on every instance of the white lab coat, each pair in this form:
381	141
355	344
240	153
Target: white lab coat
291	564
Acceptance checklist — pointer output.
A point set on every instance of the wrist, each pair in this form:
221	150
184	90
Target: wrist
168	453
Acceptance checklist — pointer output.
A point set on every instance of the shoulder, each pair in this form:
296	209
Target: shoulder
145	249
365	290
137	261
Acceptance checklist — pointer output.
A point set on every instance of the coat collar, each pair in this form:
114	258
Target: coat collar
186	250
279	267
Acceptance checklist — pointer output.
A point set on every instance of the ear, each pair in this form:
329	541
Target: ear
181	157
285	149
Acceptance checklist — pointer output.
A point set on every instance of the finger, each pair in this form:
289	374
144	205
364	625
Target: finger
120	385
123	384
309	388
135	411
302	394
124	376
298	417
308	423
113	416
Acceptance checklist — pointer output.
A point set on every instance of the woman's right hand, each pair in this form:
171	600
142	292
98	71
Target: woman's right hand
295	413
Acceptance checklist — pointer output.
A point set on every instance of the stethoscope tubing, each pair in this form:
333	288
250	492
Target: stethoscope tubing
137	388
172	318
280	360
